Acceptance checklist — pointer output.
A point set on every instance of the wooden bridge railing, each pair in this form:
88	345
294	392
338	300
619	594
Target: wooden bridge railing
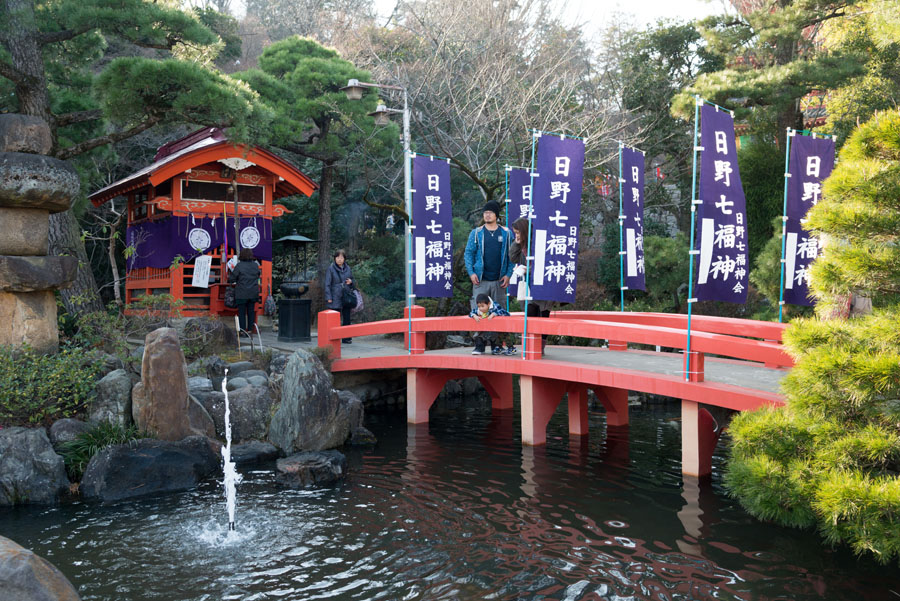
748	340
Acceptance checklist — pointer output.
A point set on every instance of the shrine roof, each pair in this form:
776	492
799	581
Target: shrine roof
206	146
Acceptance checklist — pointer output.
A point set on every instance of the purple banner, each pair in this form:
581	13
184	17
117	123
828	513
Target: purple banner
557	202
632	181
156	243
722	217
809	164
519	194
433	234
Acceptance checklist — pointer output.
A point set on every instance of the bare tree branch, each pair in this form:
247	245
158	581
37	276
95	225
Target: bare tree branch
66	153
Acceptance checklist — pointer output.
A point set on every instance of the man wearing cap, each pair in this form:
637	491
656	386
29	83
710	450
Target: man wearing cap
487	256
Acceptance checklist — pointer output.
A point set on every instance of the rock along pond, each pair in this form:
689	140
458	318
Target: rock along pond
456	509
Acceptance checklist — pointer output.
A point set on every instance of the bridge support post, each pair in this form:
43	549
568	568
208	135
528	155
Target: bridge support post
617	345
540	396
500	387
328	320
697	370
422	388
533	346
578	410
615	401
698	439
418	338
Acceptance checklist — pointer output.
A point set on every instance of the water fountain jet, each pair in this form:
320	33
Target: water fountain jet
232	478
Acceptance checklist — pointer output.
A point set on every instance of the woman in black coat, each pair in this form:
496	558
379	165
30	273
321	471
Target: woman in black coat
245	277
337	277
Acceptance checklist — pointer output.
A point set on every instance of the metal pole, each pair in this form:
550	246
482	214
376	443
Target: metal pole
784	218
690	299
237	218
407	195
621	235
507	203
528	278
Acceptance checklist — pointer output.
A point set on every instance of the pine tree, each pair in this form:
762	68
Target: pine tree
830	457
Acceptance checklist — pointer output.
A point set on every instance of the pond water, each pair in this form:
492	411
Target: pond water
456	509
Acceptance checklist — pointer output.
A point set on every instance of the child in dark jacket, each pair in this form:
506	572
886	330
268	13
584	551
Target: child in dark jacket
486	308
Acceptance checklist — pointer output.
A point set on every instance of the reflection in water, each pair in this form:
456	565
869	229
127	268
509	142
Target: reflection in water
456	509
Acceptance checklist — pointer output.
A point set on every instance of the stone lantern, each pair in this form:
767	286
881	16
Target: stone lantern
32	186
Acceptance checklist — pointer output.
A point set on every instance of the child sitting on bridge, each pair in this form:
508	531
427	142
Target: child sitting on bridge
486	308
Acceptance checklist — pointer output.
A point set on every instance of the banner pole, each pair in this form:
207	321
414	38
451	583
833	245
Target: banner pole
687	359
621	235
507	203
528	278
787	174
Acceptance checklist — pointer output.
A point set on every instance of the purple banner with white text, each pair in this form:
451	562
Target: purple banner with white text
433	234
810	162
722	266
632	181
557	208
519	194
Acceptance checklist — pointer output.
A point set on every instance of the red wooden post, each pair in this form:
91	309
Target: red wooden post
534	346
697	366
540	396
698	439
418	338
500	387
578	410
618	345
328	321
615	401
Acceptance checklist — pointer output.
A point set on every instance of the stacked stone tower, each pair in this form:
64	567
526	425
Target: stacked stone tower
32	185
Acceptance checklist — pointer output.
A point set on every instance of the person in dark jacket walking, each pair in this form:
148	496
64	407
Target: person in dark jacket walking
338	277
245	277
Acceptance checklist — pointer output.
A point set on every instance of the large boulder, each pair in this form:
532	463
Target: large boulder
25	576
148	466
304	470
66	430
254	451
113	399
160	402
30	470
251	409
310	415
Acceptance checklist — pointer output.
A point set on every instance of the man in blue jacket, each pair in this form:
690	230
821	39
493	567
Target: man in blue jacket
487	256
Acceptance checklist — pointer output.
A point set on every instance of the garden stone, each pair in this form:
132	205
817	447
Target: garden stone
24	231
29	317
361	436
355	409
30	470
113	402
278	363
199	383
163	406
25	133
215	371
66	430
148	466
311	468
25	576
236	383
239	366
248	453
33	274
310	415
257	380
250	373
31	181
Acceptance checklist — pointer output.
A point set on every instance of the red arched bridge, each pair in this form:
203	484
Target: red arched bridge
735	363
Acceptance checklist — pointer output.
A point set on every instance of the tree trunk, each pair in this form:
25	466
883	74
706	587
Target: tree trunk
113	264
65	239
324	233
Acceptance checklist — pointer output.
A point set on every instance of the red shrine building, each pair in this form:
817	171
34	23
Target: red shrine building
182	208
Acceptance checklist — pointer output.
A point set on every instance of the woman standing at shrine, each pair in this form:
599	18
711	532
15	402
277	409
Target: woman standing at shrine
245	277
338	280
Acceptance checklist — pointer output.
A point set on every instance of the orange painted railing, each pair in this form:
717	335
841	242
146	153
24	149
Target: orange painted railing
743	339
